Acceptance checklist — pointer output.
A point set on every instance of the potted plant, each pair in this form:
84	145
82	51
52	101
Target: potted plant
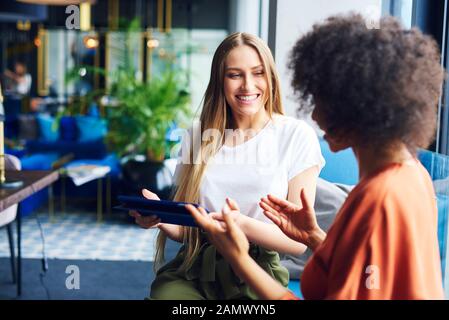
144	112
138	127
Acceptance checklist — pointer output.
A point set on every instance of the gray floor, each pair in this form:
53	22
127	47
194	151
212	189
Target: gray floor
97	280
114	258
126	280
77	235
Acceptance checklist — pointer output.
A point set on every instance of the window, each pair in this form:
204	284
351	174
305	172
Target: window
402	9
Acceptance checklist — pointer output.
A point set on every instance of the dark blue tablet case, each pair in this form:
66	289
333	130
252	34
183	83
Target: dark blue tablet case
168	211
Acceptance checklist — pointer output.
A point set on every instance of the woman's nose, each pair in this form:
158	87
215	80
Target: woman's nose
248	83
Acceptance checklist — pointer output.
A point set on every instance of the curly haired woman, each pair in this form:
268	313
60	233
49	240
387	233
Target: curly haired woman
375	91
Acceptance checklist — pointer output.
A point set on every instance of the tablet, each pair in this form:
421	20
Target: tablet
168	211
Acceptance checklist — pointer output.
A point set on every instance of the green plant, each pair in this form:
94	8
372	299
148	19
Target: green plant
145	112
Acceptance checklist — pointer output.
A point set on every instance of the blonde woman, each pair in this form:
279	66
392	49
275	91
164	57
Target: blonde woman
255	150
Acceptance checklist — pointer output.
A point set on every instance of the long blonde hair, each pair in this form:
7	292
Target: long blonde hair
216	114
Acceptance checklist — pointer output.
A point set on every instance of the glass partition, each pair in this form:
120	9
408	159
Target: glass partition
72	63
188	50
124	49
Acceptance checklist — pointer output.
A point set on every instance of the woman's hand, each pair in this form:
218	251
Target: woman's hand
232	209
150	221
233	245
298	223
226	236
174	232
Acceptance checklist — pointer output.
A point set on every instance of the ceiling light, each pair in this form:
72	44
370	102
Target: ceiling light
91	42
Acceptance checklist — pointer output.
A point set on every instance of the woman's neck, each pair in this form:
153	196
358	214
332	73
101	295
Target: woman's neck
255	122
372	159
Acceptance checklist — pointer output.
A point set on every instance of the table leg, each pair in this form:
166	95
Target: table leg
100	200
12	252
19	252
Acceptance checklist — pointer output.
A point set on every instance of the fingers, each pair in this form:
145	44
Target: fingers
148	222
203	211
149	195
232	228
232	204
222	225
271	213
200	217
218	225
305	201
145	222
216	215
197	215
230	224
267	207
134	213
280	204
273	217
269	203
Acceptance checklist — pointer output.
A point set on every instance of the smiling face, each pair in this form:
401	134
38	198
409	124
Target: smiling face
245	82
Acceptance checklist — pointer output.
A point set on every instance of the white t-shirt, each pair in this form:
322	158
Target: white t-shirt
262	165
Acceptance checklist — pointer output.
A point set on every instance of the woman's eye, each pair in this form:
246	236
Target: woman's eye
233	75
259	73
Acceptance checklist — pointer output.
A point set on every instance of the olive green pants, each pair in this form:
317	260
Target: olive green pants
211	277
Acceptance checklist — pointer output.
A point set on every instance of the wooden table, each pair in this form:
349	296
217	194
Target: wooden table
33	181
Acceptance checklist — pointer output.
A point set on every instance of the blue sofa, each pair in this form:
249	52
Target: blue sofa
80	136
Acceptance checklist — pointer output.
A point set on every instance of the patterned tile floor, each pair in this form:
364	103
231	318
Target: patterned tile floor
77	235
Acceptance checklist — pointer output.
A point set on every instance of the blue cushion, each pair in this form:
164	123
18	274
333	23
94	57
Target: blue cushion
68	129
81	150
341	167
47	127
91	128
19	153
39	161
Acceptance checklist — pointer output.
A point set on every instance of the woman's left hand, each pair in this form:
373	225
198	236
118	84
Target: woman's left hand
226	236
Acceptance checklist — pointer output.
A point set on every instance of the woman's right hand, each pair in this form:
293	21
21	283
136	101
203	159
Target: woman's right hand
298	223
150	221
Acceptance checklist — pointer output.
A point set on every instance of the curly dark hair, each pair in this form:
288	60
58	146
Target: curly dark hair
374	85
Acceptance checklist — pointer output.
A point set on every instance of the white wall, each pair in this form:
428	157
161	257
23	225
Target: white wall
296	17
244	16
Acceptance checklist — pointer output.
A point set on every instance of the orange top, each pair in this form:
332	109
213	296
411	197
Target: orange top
383	243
